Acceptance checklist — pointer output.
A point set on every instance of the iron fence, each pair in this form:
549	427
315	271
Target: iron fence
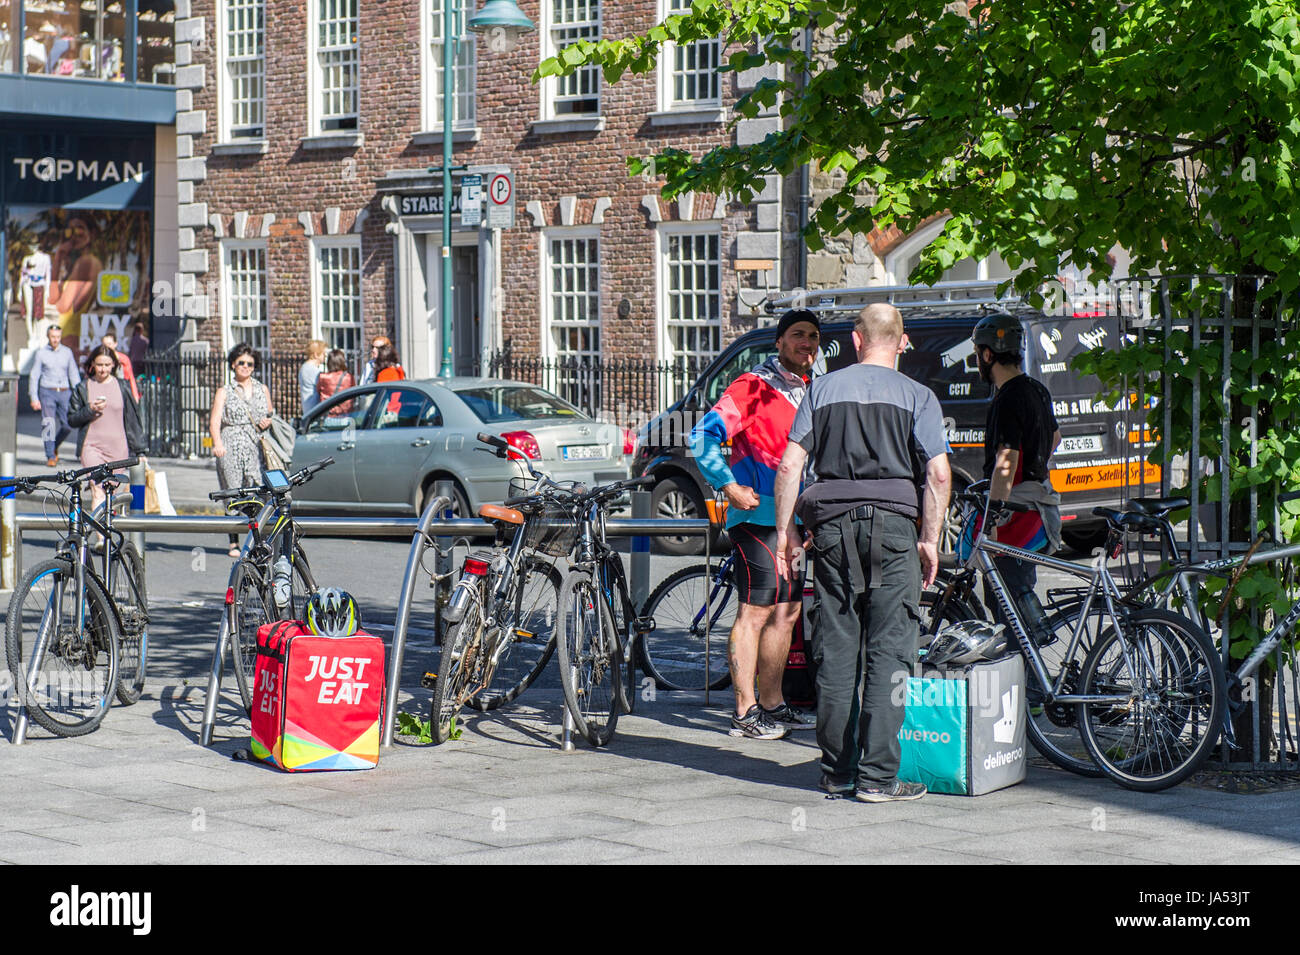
1204	331
626	391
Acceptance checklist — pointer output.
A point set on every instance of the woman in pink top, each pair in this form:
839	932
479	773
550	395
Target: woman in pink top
336	378
109	418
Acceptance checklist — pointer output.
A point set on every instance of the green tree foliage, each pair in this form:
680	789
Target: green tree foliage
1050	131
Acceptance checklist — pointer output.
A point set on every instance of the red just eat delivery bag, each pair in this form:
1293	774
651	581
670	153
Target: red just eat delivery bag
317	701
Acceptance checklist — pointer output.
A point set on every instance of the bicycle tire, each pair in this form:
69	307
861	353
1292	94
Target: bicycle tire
461	659
590	659
253	606
624	622
133	619
81	693
674	654
536	599
1177	704
1053	729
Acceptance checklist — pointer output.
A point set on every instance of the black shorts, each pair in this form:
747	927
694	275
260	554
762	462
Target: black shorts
757	581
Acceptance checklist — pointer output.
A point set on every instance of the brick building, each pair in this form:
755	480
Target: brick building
306	132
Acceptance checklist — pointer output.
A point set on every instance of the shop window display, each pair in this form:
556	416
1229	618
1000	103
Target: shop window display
8	30
87	39
155	32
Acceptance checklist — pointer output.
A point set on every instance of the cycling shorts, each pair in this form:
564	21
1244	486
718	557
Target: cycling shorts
757	580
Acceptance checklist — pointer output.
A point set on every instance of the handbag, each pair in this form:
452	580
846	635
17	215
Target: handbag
277	443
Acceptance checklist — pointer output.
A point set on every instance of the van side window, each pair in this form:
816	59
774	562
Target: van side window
943	359
747	359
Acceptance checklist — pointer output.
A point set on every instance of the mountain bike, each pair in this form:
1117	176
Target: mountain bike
77	635
271	580
598	632
501	617
1142	687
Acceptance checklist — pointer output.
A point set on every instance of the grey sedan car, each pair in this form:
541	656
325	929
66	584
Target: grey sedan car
392	441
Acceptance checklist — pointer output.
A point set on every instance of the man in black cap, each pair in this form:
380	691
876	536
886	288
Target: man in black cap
755	413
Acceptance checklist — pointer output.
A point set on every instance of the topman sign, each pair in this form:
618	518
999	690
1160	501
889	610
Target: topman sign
51	169
77	171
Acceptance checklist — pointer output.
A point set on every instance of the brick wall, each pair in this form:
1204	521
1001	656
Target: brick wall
296	184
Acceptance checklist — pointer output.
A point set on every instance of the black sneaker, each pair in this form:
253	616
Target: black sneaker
791	718
897	791
833	789
755	725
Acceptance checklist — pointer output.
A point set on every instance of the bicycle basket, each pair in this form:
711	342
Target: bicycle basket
552	530
520	486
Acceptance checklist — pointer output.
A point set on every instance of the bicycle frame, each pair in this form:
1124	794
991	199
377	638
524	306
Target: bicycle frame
1100	583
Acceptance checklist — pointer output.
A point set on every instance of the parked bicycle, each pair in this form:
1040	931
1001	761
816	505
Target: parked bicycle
598	632
501	613
1142	687
271	580
77	630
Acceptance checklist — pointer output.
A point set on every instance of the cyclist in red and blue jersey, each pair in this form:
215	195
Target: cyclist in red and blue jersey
755	414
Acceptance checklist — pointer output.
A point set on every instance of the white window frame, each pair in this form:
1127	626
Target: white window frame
662	291
228	329
556	380
896	260
465	95
550	85
319	329
225	84
667	59
316	78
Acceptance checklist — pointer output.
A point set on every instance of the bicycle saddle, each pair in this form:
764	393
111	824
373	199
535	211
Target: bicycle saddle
1128	520
1157	506
495	512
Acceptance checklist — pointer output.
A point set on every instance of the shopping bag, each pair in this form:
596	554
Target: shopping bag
151	505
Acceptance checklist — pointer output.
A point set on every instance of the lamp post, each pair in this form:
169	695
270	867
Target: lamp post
502	22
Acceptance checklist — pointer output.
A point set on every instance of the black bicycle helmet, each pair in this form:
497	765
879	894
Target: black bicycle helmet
1001	332
332	613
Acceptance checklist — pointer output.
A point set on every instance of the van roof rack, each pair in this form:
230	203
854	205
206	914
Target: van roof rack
941	295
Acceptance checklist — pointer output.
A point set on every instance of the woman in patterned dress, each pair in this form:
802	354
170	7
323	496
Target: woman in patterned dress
241	411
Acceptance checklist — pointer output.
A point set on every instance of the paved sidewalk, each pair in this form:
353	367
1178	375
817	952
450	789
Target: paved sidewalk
673	787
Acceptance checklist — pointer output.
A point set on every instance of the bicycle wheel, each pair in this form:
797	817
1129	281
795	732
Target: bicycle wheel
675	654
132	603
590	659
62	657
1176	698
252	606
462	659
1054	727
614	584
534	642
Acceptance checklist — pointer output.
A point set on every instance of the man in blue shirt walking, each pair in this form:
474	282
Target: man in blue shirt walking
54	375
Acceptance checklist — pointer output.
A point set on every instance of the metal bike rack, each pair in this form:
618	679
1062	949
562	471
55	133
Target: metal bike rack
423	532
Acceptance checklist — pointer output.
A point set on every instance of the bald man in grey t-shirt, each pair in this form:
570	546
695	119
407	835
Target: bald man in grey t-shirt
869	436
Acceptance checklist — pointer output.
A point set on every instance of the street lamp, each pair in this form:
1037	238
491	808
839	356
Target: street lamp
502	22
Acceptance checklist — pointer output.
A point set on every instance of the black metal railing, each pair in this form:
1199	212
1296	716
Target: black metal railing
626	391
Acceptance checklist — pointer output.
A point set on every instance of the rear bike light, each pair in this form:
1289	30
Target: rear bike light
629	441
525	443
230	596
473	565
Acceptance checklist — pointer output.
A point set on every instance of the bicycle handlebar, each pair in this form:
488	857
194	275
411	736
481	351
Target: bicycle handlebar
98	474
259	491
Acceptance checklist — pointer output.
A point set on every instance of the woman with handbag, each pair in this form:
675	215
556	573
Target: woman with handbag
103	408
241	412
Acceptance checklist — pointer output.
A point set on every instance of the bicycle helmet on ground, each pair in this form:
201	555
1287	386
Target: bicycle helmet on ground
1001	332
967	641
332	613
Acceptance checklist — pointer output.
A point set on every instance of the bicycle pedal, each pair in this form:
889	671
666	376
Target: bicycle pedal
429	681
644	625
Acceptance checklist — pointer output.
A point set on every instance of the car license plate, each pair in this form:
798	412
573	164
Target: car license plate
1082	444
582	452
